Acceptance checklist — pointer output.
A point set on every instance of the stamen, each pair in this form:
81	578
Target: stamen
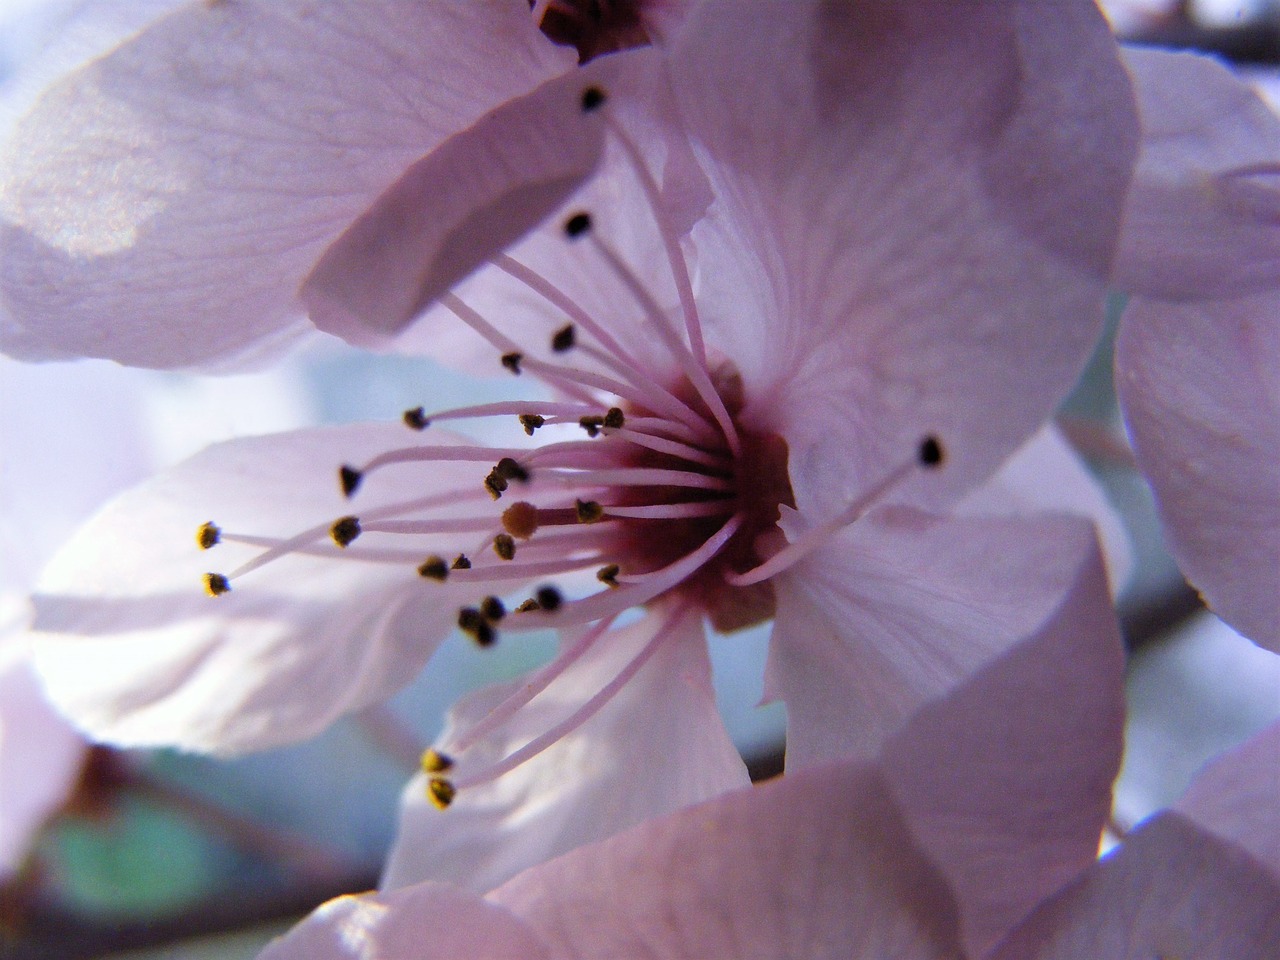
434	568
608	575
549	598
504	546
563	340
460	562
531	422
577	225
349	478
512	361
589	511
215	584
345	530
208	535
928	456
592	99
473	623
592	425
636	477
433	761
673	511
492	609
416	419
441	792
614	418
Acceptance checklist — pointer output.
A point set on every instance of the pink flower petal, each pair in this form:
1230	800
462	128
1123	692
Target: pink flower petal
1006	782
1200	221
917	217
1170	890
657	746
818	865
424	922
1237	798
455	209
903	606
1200	387
188	181
135	651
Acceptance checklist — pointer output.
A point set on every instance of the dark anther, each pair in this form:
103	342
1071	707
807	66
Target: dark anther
563	339
527	605
592	98
609	575
350	479
496	484
434	568
531	422
461	562
441	792
577	225
591	424
931	452
215	584
472	622
208	535
416	419
493	609
614	418
510	469
512	361
504	545
548	598
345	530
433	761
589	511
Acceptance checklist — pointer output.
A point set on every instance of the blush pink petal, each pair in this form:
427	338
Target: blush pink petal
189	180
1200	387
1237	798
135	652
917	218
1006	782
423	923
1046	475
903	606
1200	220
658	745
819	865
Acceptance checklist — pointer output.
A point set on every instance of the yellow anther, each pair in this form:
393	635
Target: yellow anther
345	530
208	535
527	605
433	761
434	568
441	792
215	584
520	519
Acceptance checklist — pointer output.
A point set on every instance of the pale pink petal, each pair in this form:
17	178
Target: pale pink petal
902	606
1200	221
917	217
657	746
818	865
1169	891
423	923
1006	783
455	209
136	652
188	182
40	755
1046	475
1200	387
1237	798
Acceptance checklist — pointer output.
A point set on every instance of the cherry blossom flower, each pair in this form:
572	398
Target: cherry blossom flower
1198	356
832	269
847	859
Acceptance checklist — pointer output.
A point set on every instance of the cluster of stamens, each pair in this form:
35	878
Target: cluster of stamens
666	495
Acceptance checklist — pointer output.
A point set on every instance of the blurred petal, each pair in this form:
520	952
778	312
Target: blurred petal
658	745
189	180
1046	475
903	606
425	922
818	865
1200	387
1170	890
925	232
1201	219
137	654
